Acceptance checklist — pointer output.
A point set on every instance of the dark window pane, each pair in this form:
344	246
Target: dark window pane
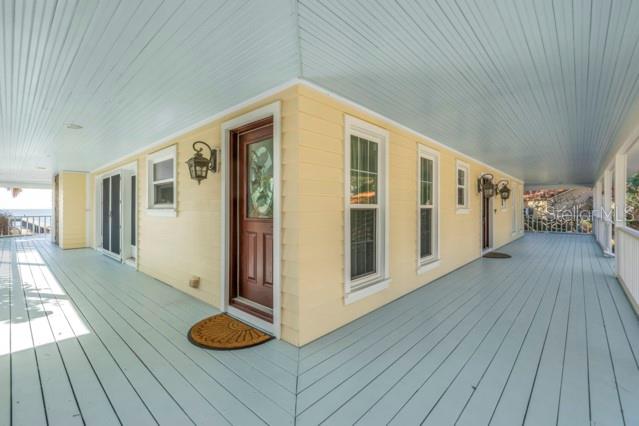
461	177
426	232
364	179
363	242
163	170
460	197
426	181
372	157
354	151
163	193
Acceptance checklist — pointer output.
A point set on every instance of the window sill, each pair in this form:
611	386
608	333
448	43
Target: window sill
462	210
422	269
162	212
366	291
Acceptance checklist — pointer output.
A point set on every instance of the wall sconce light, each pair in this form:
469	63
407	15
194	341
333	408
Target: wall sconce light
199	165
503	190
485	185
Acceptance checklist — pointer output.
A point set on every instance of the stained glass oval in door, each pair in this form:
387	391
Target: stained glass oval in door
260	179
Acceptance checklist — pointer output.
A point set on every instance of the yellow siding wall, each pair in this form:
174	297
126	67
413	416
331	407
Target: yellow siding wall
172	249
72	209
320	222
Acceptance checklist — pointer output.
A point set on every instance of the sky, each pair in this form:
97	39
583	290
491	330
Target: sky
27	199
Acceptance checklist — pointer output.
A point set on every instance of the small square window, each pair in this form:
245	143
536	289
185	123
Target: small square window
161	173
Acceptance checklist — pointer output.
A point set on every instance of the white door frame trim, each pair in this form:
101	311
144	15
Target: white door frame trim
274	110
124	170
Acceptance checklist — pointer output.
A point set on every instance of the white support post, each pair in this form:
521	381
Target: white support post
620	198
607	207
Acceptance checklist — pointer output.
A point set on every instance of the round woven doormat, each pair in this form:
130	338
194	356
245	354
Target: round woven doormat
224	332
496	255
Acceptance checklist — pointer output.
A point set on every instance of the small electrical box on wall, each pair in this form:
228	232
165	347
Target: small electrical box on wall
194	282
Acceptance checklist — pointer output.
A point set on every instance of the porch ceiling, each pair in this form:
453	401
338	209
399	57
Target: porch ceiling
541	89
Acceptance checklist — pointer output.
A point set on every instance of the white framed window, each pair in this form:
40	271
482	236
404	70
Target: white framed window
162	182
461	183
427	208
366	209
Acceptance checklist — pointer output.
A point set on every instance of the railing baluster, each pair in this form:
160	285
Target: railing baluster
582	223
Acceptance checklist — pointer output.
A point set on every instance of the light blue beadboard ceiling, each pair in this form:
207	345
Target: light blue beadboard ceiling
543	89
129	71
539	88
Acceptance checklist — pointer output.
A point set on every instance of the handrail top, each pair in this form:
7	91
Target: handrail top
627	230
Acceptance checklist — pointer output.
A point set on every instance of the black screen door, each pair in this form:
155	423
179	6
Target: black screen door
133	209
106	213
111	214
115	214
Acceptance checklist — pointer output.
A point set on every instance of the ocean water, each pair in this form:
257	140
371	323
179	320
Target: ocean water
27	212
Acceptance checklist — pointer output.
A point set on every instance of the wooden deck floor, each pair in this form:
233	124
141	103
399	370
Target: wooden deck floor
546	337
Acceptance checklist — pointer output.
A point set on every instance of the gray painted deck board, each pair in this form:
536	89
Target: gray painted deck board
398	378
547	337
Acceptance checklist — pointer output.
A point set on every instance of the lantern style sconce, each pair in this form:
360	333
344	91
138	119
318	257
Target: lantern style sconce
503	190
199	165
485	185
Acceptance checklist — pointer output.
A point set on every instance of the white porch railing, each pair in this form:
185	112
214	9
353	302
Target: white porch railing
603	230
574	224
627	248
24	225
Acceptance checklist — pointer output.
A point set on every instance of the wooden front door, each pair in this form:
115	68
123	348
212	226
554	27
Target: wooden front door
485	221
252	219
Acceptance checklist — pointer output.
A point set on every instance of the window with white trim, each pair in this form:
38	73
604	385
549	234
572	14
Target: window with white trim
461	179
161	178
428	205
366	208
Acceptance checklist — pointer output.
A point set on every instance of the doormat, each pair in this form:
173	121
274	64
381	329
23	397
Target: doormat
223	332
496	255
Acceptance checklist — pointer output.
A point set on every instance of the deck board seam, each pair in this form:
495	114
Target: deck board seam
18	277
548	328
505	309
143	362
512	269
563	363
614	370
99	285
499	348
555	262
64	364
155	349
603	321
100	338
